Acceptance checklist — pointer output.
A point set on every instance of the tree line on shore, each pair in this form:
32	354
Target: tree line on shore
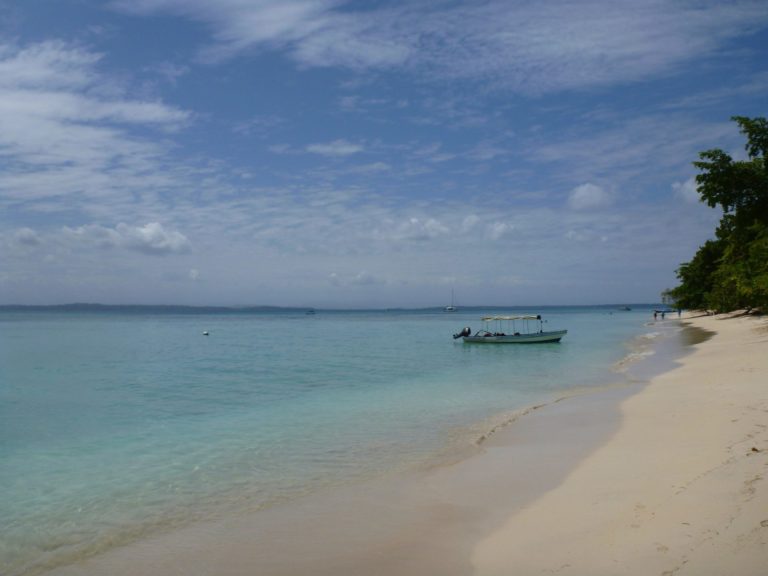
730	272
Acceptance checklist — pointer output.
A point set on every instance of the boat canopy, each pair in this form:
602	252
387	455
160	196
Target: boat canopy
494	318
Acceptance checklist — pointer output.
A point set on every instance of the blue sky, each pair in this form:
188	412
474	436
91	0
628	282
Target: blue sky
363	154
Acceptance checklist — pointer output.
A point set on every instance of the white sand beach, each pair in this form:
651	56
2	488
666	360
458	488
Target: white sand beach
682	486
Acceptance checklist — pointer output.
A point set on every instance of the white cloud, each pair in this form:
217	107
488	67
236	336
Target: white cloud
621	150
485	151
68	130
258	125
238	25
469	222
508	281
371	168
497	230
418	229
361	278
51	65
358	41
279	148
151	238
94	235
524	46
291	245
169	71
686	191
574	235
754	84
60	82
27	237
335	148
588	196
433	153
75	139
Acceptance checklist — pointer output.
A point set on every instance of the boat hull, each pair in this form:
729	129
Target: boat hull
535	338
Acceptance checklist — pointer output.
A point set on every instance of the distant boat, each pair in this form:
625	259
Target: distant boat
625	308
507	333
450	307
310	312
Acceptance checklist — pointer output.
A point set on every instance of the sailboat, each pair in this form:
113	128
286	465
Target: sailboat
450	307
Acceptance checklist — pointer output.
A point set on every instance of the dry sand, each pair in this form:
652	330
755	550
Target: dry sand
681	488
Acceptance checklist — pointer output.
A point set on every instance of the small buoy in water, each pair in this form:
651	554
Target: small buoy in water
205	333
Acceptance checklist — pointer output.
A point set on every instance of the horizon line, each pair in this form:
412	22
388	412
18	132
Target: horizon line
238	307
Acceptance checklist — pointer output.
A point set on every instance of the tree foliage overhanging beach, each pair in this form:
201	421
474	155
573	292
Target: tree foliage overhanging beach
731	271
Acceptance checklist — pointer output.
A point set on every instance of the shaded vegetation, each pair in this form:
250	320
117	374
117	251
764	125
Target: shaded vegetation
731	271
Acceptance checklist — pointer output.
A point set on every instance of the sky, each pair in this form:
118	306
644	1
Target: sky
331	153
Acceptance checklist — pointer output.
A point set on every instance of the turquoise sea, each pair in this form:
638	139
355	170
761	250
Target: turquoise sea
116	424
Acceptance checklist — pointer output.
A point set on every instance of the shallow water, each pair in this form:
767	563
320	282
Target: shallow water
115	425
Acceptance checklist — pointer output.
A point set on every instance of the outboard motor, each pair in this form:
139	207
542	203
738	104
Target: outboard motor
465	332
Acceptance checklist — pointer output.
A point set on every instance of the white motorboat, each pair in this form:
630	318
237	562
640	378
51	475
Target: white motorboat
511	330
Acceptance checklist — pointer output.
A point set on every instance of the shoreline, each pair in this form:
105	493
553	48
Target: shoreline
92	525
412	523
678	489
426	521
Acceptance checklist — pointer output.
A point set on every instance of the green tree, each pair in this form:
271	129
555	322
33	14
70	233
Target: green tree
732	271
697	277
738	187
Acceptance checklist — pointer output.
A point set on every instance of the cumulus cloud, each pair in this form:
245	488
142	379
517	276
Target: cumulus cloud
151	238
588	196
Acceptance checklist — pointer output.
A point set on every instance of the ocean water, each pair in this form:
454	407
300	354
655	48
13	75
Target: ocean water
116	425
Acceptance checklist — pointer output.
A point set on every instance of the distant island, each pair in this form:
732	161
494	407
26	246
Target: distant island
146	308
203	309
